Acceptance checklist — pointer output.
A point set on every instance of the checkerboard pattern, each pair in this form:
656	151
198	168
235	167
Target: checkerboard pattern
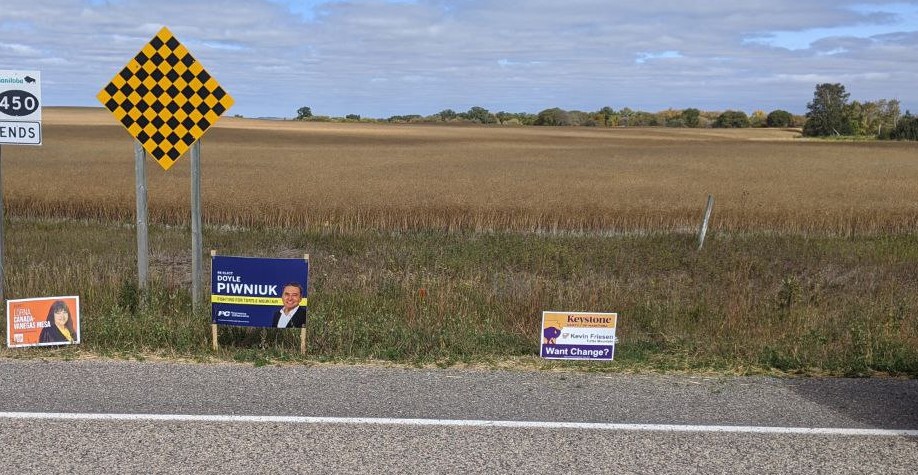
165	99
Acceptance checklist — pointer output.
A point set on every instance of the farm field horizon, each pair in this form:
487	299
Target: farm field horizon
443	244
351	176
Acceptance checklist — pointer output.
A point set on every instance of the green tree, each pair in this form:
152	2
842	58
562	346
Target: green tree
404	118
626	116
758	119
691	117
607	113
504	117
872	117
732	120
480	115
643	119
584	119
447	115
553	116
888	116
303	113
826	113
906	128
779	118
526	118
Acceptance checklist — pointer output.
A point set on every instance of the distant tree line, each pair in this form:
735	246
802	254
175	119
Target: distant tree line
829	114
609	117
604	117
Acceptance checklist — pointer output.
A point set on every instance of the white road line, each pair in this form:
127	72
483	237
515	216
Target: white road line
461	423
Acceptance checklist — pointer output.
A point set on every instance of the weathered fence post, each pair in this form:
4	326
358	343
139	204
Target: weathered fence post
704	223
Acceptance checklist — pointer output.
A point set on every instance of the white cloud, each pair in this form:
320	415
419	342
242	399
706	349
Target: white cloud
19	49
644	57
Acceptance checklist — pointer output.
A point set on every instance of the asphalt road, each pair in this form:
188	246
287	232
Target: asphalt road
414	421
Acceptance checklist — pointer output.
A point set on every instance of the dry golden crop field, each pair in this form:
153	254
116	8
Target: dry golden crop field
387	176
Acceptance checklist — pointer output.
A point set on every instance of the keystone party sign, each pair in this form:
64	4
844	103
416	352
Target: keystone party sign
578	335
249	291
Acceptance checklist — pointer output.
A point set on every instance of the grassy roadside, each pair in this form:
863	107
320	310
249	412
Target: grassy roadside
747	304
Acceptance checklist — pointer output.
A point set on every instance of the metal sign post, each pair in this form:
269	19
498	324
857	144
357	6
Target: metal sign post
2	277
166	100
140	181
20	124
197	240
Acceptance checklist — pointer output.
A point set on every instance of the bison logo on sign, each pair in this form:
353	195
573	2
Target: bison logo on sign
551	334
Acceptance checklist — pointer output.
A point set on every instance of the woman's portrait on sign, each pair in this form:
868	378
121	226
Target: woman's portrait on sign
60	328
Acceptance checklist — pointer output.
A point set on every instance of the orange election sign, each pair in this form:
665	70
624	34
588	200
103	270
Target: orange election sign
43	321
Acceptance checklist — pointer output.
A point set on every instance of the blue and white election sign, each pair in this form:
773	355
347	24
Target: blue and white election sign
259	292
579	335
20	107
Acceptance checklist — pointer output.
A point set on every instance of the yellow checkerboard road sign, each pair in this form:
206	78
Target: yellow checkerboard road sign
165	99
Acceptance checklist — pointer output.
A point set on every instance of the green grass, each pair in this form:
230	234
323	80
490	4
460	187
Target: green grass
745	304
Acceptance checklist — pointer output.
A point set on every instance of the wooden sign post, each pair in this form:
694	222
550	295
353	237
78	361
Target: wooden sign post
249	292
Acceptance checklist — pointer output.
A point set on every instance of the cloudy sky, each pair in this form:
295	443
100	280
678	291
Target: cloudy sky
379	58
